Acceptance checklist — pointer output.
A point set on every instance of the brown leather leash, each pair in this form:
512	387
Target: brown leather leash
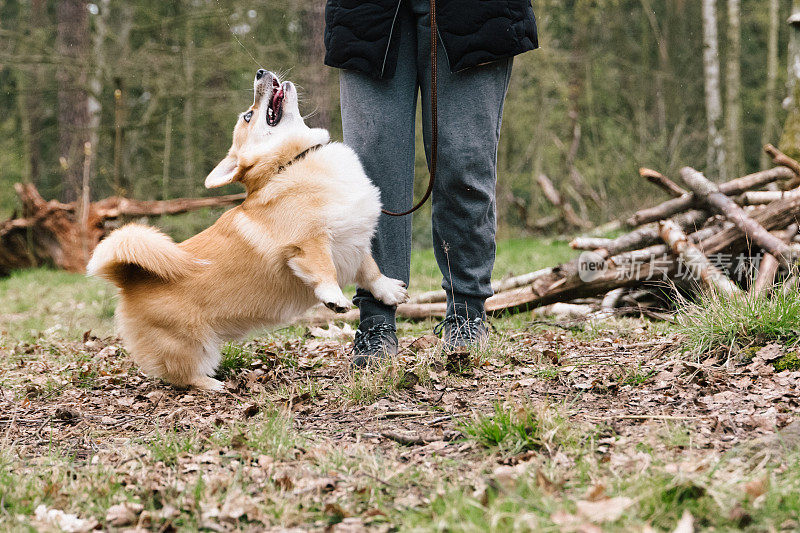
434	120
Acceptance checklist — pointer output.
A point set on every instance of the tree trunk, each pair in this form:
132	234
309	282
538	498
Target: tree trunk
73	112
319	75
715	157
96	77
771	99
790	140
29	96
733	84
189	97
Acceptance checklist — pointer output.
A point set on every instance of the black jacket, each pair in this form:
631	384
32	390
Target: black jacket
361	34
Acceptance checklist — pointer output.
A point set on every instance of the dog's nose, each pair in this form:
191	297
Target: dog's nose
260	73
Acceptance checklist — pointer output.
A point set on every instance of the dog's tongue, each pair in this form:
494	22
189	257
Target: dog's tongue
277	96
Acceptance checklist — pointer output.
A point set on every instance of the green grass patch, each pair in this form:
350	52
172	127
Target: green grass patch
41	302
736	322
513	431
524	428
235	358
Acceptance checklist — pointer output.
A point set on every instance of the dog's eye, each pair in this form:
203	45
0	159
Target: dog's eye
247	116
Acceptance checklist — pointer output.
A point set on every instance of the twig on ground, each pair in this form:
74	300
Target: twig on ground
396	414
407	440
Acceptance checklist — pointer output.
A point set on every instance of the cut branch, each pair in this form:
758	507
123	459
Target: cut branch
710	194
657	178
697	263
555	198
731	188
765	197
497	286
649	234
769	264
779	158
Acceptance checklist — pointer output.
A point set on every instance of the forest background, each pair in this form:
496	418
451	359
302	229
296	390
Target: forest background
155	88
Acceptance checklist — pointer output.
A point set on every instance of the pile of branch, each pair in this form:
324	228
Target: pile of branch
64	235
728	238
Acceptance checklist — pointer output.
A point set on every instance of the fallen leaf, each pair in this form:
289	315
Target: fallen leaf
63	521
333	332
608	510
685	524
756	487
596	492
123	514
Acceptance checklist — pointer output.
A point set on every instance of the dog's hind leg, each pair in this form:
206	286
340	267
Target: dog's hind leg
179	360
312	262
387	290
208	384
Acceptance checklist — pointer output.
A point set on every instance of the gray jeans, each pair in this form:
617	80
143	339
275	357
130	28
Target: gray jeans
378	123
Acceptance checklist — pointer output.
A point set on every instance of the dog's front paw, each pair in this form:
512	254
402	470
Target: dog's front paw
333	298
389	291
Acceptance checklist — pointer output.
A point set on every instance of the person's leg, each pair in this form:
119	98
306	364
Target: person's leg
464	222
378	123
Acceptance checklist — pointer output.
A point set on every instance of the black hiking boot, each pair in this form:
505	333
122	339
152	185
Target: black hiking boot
376	341
464	329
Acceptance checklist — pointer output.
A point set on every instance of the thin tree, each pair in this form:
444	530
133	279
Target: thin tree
733	85
790	139
715	156
771	99
319	76
189	94
73	113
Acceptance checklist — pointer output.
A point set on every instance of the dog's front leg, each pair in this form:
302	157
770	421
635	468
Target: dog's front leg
387	290
312	263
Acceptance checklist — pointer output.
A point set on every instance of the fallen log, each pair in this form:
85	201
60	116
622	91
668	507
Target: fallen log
609	303
497	286
710	194
777	215
731	188
590	243
694	259
63	235
660	250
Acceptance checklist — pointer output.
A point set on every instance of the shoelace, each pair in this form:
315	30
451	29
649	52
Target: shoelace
371	340
460	324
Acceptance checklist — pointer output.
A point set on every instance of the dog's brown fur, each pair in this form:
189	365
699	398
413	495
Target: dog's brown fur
300	233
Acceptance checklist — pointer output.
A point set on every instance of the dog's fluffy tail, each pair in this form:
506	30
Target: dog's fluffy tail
135	252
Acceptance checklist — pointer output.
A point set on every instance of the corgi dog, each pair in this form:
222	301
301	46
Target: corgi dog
303	231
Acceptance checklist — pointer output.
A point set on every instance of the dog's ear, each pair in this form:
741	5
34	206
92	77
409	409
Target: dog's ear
224	173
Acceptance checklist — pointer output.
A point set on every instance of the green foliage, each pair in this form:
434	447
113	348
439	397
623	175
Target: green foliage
790	361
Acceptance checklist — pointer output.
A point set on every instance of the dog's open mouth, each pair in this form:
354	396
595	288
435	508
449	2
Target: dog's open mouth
275	107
